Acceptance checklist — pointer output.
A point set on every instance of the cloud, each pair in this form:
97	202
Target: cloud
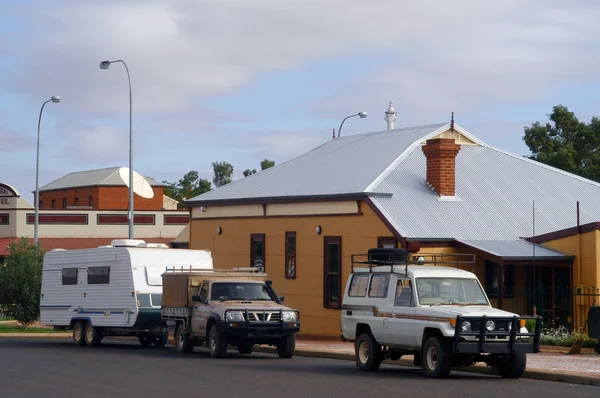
11	141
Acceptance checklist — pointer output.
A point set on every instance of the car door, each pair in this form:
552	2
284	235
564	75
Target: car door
200	315
401	324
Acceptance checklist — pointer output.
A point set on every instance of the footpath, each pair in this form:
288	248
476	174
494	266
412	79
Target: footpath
550	364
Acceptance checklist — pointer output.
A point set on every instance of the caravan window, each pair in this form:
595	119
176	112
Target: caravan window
69	276
98	275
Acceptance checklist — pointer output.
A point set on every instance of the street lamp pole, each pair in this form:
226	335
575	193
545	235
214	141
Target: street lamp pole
361	114
105	65
55	100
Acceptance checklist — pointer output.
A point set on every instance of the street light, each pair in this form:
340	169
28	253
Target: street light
56	100
362	115
105	65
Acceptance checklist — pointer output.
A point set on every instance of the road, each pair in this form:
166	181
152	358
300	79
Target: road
31	367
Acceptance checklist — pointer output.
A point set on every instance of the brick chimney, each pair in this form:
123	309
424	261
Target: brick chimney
441	164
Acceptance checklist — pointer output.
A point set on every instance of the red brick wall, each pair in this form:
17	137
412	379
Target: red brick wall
104	198
441	165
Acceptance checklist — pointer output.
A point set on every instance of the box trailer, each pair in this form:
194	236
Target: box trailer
113	290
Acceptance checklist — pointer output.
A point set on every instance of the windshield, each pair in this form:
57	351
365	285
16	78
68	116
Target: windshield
222	291
457	291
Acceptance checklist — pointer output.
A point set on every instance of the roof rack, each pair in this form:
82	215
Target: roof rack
212	271
399	257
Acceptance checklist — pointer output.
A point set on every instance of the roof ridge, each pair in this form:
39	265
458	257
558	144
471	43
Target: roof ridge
545	166
393	130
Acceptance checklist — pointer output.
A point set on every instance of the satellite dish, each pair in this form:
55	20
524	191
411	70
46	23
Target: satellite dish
141	186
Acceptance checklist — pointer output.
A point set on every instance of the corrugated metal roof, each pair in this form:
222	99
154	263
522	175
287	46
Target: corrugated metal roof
514	250
495	193
108	176
344	165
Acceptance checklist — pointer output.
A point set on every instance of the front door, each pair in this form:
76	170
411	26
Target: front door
200	315
332	272
401	326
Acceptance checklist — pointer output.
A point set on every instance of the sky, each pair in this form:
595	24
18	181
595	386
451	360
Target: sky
245	80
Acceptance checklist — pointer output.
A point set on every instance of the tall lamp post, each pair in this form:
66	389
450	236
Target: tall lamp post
56	100
105	65
361	114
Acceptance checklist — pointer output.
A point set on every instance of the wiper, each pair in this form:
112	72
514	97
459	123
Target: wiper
445	304
473	304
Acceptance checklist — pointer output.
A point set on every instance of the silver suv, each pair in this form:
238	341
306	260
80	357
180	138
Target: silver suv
441	315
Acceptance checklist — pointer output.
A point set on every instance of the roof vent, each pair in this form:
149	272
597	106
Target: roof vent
127	243
390	117
154	245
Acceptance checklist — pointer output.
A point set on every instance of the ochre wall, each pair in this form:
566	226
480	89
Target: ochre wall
232	249
586	249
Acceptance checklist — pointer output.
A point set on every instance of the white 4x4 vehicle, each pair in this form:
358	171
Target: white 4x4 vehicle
440	315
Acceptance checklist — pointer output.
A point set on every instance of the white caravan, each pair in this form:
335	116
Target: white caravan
112	290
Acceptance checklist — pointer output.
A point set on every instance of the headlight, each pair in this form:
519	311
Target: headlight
465	326
490	325
289	316
234	316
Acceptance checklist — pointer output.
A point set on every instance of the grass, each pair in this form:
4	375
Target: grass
18	329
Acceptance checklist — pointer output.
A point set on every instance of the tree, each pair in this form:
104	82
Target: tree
249	172
566	143
223	173
191	185
21	281
265	164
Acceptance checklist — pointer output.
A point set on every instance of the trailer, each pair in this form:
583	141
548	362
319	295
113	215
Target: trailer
113	290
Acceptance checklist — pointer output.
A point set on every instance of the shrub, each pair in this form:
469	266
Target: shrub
563	338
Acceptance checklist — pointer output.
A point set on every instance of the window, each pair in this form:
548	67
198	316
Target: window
64	203
404	296
257	250
98	275
41	204
434	291
69	276
204	291
91	200
53	203
379	286
76	201
492	284
332	269
290	255
358	285
387	242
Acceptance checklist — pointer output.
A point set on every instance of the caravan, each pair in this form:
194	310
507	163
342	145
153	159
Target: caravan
112	290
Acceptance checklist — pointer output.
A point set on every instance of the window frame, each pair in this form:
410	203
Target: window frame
328	302
290	256
386	277
412	293
258	238
358	276
89	282
491	275
63	275
64	203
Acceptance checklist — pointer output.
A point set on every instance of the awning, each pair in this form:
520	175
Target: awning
518	250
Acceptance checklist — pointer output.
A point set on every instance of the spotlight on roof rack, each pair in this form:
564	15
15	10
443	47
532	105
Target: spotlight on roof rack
421	260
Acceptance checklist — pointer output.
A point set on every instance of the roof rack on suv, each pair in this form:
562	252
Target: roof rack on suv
391	257
212	271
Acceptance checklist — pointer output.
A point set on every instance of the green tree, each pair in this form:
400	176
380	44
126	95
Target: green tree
265	164
21	281
566	143
249	172
191	185
223	173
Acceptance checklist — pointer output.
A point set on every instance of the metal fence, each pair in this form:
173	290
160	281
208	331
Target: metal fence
566	307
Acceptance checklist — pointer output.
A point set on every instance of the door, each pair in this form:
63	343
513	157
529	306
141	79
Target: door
401	327
200	315
332	272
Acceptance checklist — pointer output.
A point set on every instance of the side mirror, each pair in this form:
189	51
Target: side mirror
196	298
281	298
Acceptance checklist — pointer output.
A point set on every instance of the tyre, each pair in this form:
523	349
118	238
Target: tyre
217	343
183	343
286	346
160	340
437	357
395	355
245	348
79	333
146	340
93	335
368	353
514	367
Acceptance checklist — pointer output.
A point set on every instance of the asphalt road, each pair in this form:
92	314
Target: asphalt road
56	368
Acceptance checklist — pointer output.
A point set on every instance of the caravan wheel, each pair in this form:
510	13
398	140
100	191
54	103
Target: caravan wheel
78	333
93	335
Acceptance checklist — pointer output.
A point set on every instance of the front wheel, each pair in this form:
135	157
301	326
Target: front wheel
183	343
79	333
514	367
368	353
217	343
286	346
437	357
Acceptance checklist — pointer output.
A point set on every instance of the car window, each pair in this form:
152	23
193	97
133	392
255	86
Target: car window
404	296
379	286
358	286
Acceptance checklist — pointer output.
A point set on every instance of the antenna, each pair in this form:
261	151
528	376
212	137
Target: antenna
141	186
334	133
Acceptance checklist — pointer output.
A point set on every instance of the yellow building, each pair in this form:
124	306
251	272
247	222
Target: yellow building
431	189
